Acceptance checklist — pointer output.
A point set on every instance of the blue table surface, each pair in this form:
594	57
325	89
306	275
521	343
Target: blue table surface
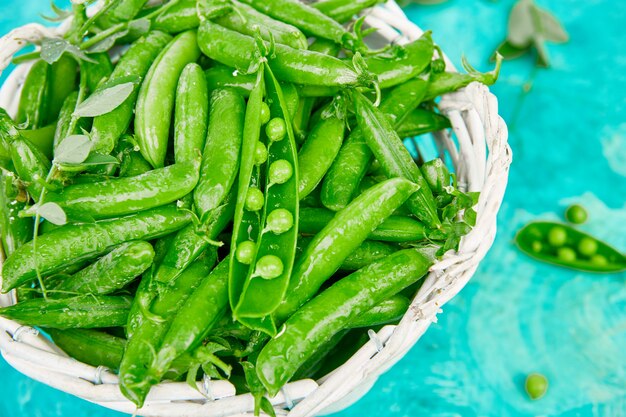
516	316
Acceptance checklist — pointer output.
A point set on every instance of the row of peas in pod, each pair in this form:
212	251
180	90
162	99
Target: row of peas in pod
220	188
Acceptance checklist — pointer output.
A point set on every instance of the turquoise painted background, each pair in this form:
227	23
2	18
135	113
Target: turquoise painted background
516	316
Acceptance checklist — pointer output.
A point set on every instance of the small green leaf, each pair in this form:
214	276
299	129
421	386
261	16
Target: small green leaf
521	28
60	14
192	376
105	100
108	42
73	150
551	28
53	213
267	407
53	48
509	51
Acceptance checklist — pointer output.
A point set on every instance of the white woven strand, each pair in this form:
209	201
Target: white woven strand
478	128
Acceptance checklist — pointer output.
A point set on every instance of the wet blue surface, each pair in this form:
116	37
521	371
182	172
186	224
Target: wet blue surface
516	316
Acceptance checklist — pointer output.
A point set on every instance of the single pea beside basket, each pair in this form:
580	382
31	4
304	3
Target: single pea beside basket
477	148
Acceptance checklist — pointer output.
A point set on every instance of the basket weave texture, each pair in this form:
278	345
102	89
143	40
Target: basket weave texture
481	158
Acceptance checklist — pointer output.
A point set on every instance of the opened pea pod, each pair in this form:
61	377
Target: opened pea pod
563	245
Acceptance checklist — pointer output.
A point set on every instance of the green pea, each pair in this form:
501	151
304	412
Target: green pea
260	154
557	236
280	221
276	129
255	199
537	246
245	252
599	260
536	386
269	267
588	246
280	171
576	214
265	113
566	254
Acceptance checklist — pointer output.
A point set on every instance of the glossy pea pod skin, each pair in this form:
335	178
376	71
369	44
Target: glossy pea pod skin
120	196
388	311
569	248
108	128
86	241
84	312
246	222
220	158
65	118
156	97
332	311
33	105
394	158
191	114
97	72
31	165
42	138
189	243
318	153
15	231
97	348
124	11
368	252
147	338
355	157
339	238
343	10
262	294
62	80
397	229
194	320
421	121
113	271
292	65
308	19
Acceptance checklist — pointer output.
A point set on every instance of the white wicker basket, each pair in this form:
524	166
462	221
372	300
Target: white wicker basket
481	161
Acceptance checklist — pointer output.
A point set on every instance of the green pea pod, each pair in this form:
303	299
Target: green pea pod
87	241
393	229
394	158
92	347
436	174
220	163
97	348
343	10
65	119
15	231
420	121
400	66
316	360
445	82
132	163
85	312
31	165
124	11
262	293
153	189
108	128
194	320
190	242
318	153
388	311
246	222
146	340
42	138
355	157
62	78
243	19
311	21
562	245
292	65
332	311
156	97
368	252
32	107
223	77
97	72
345	232
191	114
113	271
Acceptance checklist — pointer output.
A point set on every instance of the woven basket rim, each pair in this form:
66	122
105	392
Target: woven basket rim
482	162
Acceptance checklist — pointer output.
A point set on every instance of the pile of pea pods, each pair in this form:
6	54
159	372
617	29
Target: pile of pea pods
229	195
